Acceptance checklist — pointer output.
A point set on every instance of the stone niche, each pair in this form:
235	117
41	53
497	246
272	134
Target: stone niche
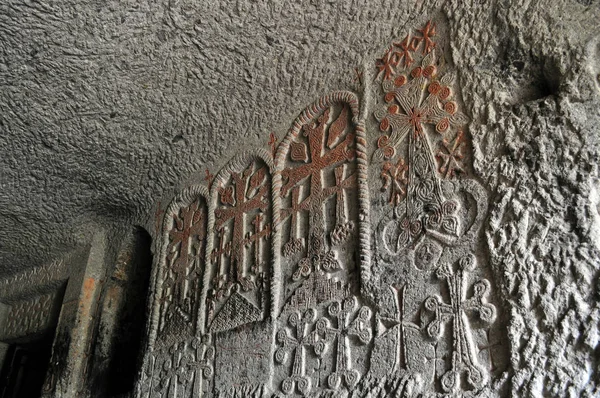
346	260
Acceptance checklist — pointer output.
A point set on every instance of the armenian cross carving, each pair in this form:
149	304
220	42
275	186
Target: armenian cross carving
458	310
179	281
320	149
346	327
201	363
398	326
289	237
304	338
415	185
239	263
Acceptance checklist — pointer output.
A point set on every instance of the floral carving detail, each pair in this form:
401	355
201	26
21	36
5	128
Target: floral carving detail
419	111
326	147
413	103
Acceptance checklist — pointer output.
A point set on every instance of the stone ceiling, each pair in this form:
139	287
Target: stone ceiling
108	106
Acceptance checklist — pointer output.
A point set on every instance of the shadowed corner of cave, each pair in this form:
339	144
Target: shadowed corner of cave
27	359
24	367
121	329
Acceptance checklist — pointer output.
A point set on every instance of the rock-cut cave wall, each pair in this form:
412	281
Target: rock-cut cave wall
342	200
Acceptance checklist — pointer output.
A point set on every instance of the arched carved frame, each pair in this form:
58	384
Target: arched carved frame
183	199
364	224
237	165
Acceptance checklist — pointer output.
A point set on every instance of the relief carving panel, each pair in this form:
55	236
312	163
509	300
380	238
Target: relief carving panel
429	262
29	316
345	260
179	360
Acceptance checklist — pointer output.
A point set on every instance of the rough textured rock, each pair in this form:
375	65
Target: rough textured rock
135	113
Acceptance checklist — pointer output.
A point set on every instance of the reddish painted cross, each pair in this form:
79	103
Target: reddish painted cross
426	38
260	232
186	244
224	249
407	47
250	194
326	153
294	244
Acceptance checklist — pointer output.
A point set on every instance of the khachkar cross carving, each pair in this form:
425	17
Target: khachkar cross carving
201	363
419	109
304	338
458	310
221	284
246	194
239	262
398	326
261	232
328	149
185	261
349	324
171	376
181	370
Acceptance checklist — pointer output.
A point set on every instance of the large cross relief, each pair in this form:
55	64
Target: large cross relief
429	210
321	182
275	284
239	274
179	280
317	182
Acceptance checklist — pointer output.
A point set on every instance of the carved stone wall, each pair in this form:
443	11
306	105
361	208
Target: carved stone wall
349	259
346	199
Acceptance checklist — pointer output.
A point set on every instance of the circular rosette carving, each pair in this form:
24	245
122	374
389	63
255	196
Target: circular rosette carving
427	255
303	384
334	380
450	380
280	354
287	386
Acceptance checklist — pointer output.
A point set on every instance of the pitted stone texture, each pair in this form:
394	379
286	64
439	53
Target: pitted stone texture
106	107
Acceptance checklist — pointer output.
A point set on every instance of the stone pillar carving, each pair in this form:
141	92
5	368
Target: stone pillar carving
72	347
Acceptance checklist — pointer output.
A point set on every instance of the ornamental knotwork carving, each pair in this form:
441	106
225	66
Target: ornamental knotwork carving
421	148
